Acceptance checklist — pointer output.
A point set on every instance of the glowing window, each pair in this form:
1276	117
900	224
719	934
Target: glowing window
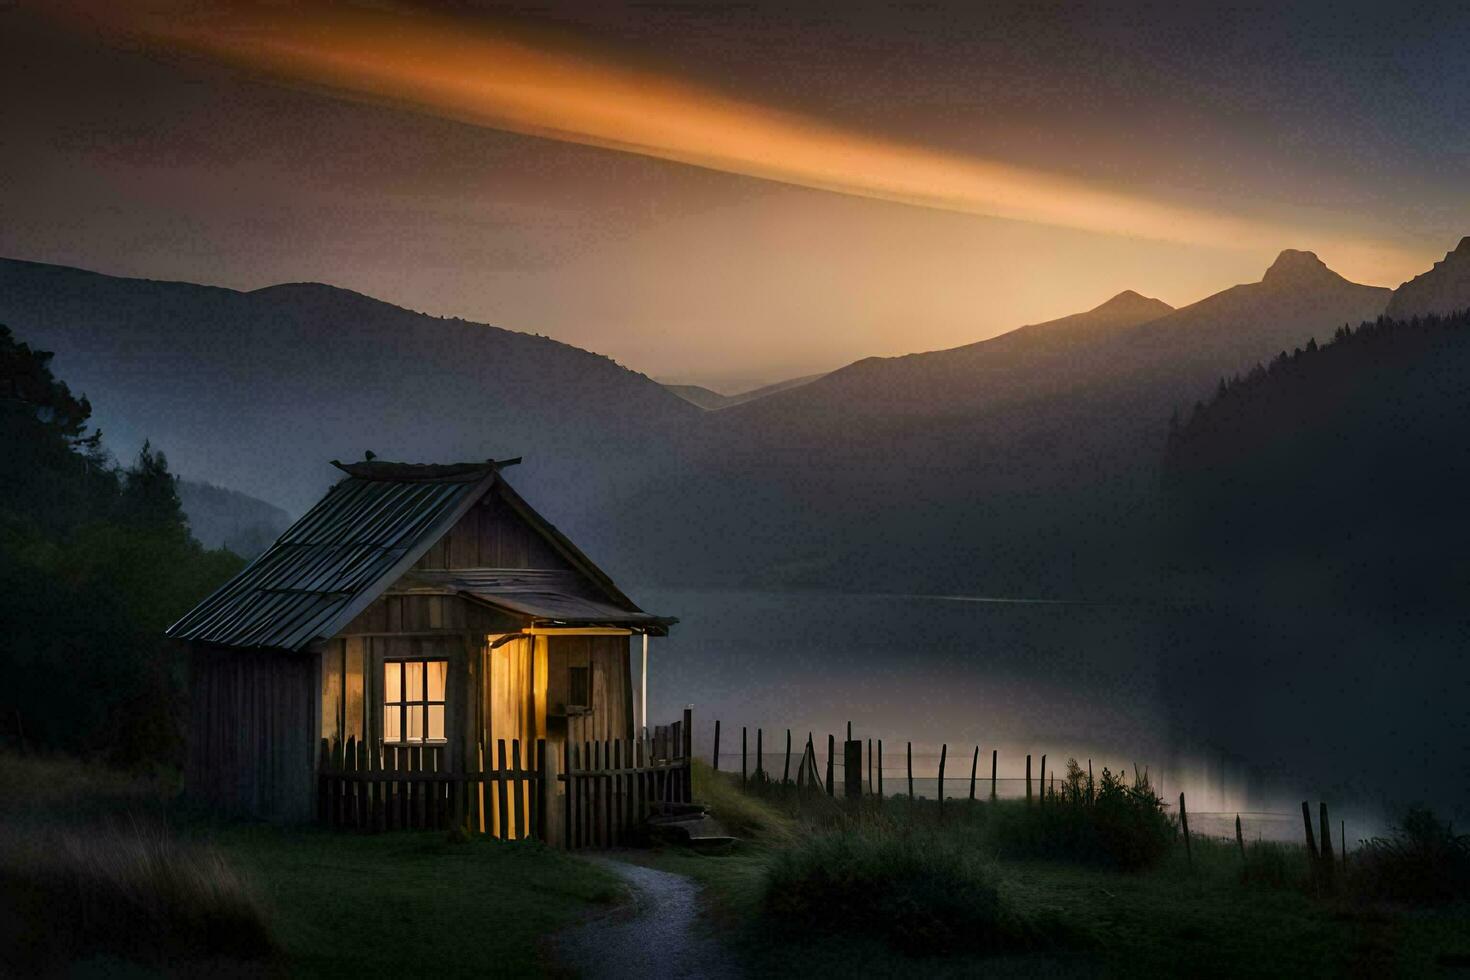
413	700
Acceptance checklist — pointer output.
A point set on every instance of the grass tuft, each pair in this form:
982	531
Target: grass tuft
136	894
1421	862
744	815
920	892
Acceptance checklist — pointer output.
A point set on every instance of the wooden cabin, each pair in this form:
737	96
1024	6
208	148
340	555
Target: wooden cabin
414	607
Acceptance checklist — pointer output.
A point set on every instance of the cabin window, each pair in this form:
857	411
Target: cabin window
413	700
579	687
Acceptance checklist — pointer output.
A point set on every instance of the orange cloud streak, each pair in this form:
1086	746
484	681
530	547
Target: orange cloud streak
475	73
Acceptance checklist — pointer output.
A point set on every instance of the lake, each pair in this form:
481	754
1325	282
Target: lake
1244	710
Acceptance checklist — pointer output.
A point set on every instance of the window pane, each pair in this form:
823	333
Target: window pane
413	680
438	672
436	722
415	723
391	732
391	691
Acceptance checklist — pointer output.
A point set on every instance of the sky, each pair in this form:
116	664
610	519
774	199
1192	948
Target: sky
732	194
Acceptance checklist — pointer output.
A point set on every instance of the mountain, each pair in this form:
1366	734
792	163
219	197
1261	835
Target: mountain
705	398
712	401
221	518
943	382
1444	289
259	390
1027	463
1341	469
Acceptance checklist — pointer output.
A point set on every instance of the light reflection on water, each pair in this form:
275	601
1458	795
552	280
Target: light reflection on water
1242	714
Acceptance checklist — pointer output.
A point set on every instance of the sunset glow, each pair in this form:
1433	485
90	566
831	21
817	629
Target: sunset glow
480	73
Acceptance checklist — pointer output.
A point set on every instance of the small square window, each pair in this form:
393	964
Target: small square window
414	694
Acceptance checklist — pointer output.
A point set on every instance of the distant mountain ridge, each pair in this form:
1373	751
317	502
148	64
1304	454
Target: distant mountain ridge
256	391
1023	464
1027	463
713	401
1443	290
222	518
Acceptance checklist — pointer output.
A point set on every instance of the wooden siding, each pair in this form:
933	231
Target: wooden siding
252	732
428	613
492	535
610	682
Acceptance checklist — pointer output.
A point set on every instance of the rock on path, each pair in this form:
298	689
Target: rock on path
658	939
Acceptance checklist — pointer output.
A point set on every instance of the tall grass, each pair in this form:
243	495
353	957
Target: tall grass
920	891
752	816
88	868
1117	823
1421	862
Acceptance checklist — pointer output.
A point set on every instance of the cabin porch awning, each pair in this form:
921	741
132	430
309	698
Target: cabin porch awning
545	597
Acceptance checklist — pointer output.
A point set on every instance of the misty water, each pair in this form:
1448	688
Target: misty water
1245	710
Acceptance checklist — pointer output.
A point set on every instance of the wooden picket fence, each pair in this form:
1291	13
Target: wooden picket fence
607	788
410	788
614	785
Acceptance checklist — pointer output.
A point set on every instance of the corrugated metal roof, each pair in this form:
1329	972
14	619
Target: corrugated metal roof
366	534
334	561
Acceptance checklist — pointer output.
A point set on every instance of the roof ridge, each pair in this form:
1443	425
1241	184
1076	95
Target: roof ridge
385	471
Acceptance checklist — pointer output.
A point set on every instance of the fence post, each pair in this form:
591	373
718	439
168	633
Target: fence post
974	764
322	798
744	760
943	754
1184	821
715	765
688	749
1239	839
852	769
1091	796
1041	779
1311	838
909	754
1325	858
880	769
831	751
1028	777
994	759
786	771
569	812
539	801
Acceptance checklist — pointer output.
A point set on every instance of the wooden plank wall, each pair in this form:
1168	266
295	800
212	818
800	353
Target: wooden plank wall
610	680
252	719
491	535
424	613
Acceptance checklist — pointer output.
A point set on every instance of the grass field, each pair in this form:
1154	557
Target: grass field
101	874
1203	918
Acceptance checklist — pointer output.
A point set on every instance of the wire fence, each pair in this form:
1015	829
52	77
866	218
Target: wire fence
888	769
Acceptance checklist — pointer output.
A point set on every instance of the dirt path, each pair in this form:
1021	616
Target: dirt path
657	938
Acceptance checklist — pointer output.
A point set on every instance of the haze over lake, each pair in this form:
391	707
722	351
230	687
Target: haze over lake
1244	710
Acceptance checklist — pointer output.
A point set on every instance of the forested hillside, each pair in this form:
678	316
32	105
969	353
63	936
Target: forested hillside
95	560
1338	470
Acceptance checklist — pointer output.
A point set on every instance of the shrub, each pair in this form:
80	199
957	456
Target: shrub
138	895
1122	825
1422	862
919	892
